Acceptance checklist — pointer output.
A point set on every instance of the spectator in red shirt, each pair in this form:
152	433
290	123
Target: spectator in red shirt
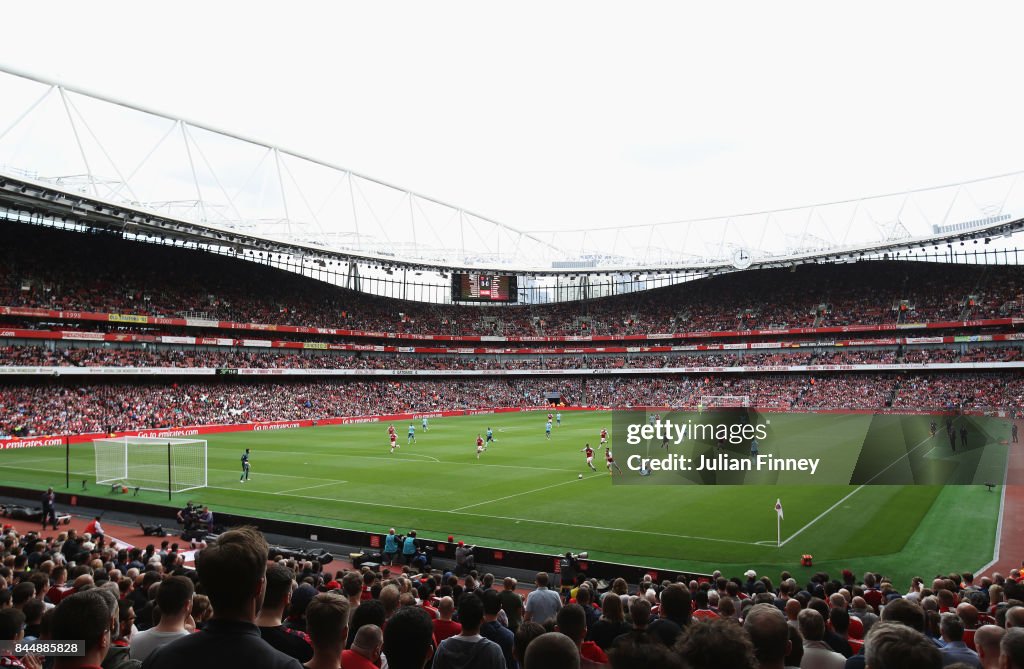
94	529
571	621
702	608
59	588
444	626
423	592
366	649
872	595
368	579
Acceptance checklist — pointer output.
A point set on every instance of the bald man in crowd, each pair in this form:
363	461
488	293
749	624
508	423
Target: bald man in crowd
444	626
366	649
986	641
792	612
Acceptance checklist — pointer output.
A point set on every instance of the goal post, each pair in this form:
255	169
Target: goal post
150	463
724	401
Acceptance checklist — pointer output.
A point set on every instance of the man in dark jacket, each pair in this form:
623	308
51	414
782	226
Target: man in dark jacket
232	572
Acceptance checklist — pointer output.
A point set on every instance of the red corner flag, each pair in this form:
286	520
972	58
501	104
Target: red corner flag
778	508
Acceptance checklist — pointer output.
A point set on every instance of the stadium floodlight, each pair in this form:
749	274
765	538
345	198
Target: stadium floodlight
147	463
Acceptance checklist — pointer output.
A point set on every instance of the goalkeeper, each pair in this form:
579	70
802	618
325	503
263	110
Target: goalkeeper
245	467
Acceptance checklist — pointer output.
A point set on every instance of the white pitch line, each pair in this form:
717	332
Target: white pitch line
518	494
855	491
999	523
821	515
308	487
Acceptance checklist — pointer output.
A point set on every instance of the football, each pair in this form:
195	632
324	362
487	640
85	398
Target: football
580	476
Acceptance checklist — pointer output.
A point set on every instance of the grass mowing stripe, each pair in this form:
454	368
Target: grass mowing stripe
518	494
491	516
400	458
308	487
211	469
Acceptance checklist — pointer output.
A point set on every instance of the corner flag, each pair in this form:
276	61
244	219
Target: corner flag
778	522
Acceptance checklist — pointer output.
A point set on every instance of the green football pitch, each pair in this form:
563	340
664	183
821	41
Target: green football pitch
525	494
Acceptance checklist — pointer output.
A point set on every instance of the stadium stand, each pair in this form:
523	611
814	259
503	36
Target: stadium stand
709	622
59	407
97	356
43	268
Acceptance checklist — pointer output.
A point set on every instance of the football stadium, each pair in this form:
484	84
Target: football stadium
785	438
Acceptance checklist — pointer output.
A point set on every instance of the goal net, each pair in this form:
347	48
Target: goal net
174	465
723	401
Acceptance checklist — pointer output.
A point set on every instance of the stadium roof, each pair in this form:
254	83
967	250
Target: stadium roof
189	179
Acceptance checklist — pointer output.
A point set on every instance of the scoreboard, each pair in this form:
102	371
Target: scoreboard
472	287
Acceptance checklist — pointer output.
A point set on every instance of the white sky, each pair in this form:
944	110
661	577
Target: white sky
548	115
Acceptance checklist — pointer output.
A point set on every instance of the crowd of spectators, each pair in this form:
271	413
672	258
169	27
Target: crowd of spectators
209	357
61	407
145	607
104	273
978	390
